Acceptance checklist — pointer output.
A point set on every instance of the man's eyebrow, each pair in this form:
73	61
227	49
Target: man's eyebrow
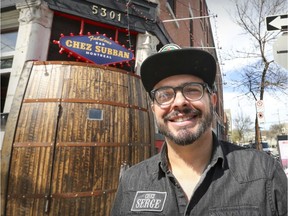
181	85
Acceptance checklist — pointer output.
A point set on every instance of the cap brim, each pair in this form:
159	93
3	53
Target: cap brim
174	62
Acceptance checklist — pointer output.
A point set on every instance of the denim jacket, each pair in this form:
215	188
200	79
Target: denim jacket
236	182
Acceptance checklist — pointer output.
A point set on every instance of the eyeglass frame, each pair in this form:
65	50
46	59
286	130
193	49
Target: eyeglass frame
180	88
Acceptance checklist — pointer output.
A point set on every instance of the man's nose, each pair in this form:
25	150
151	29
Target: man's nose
180	100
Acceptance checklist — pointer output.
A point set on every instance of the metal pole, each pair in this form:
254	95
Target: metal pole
190	18
205	47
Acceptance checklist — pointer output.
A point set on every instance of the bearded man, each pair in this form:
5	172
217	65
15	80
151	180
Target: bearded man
195	173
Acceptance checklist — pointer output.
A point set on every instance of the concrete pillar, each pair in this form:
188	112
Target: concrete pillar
146	46
35	22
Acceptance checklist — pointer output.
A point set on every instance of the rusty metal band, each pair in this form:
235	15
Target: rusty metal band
91	144
111	103
26	196
83	194
62	195
32	144
76	144
83	64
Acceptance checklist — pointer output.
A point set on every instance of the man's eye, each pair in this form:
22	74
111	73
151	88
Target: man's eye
192	90
164	95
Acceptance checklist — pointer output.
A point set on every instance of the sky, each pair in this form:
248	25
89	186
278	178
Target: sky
228	36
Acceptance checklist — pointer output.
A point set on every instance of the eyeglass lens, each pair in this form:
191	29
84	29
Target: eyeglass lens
191	91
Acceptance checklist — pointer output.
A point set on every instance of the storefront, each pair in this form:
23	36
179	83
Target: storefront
78	114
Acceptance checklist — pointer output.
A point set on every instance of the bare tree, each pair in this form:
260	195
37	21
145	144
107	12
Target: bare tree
263	74
275	130
243	125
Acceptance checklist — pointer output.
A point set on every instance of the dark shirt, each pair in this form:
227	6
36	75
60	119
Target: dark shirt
236	182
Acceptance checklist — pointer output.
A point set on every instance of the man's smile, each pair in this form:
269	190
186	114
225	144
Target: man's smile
182	118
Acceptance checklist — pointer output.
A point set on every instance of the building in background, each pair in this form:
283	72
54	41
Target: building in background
146	27
61	130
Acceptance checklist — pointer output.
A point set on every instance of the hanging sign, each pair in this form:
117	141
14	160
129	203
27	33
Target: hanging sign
283	151
280	50
97	49
260	111
260	105
261	117
277	22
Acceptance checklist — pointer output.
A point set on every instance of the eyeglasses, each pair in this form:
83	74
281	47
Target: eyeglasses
191	91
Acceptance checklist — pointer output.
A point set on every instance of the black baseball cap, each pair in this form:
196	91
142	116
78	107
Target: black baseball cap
173	60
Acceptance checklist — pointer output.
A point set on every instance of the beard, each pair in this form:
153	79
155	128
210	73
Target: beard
184	135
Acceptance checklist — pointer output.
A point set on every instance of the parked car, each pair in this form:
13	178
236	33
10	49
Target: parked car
265	147
246	146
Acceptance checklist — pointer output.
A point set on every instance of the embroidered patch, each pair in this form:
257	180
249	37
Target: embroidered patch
149	201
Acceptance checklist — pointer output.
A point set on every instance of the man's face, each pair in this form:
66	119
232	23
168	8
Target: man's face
184	121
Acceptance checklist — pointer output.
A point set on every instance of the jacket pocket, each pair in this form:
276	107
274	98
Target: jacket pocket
145	214
235	211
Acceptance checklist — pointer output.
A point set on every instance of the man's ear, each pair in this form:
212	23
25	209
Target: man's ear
152	106
214	99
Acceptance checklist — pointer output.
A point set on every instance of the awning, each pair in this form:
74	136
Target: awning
141	16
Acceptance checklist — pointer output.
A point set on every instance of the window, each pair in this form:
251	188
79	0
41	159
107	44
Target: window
191	27
201	7
172	5
9	33
8	43
191	33
6	62
202	13
4	86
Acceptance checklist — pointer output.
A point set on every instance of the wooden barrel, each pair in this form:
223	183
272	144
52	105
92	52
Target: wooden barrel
77	125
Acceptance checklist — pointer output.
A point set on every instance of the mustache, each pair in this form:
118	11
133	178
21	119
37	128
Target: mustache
186	111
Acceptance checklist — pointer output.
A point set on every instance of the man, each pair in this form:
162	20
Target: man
196	174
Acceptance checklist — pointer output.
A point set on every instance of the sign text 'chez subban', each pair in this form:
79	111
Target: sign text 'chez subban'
97	49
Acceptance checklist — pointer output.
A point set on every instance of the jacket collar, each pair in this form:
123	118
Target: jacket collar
217	156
